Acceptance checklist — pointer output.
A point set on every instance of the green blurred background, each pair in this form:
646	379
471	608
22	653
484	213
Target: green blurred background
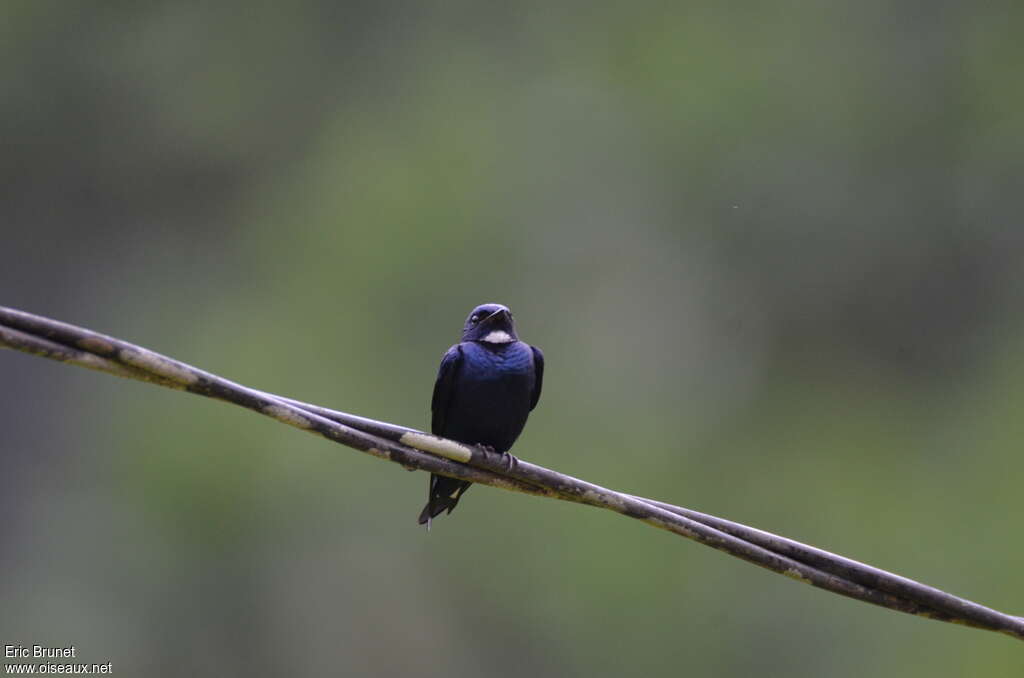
771	251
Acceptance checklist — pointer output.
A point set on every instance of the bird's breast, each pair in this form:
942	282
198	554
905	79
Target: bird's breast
501	361
490	398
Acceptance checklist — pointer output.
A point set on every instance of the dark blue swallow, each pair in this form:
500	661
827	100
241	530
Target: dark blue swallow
485	389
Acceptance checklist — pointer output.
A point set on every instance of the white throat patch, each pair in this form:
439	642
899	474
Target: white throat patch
498	337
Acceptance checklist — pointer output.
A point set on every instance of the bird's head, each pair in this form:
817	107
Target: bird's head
491	324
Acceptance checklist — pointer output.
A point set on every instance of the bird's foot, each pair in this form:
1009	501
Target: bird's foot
505	459
509	460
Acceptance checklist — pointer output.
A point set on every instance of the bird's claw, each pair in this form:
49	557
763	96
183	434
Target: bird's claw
506	460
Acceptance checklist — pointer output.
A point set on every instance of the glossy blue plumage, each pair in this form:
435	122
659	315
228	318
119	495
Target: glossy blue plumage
489	396
485	389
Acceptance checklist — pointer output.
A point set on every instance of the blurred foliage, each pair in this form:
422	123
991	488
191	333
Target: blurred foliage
772	253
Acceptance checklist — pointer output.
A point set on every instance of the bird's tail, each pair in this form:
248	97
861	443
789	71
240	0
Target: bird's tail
444	495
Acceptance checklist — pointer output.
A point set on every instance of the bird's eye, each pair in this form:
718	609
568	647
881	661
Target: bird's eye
474	319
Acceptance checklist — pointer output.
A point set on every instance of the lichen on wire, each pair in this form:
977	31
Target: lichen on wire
414	449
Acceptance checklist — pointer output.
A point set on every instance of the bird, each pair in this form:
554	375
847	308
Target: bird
486	387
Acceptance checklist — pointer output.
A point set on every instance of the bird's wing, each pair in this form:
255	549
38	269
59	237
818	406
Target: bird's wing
538	375
444	387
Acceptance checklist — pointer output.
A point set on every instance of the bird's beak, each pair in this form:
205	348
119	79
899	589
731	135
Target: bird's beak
497	317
